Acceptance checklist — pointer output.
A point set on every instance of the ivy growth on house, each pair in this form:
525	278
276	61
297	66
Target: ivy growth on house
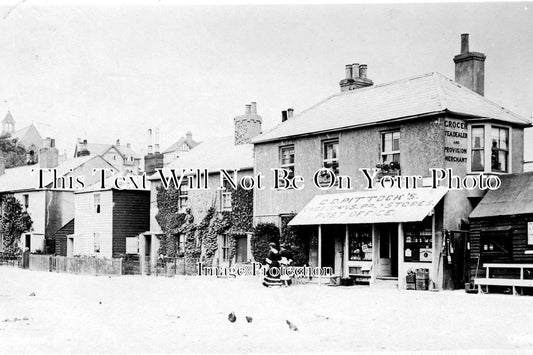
13	222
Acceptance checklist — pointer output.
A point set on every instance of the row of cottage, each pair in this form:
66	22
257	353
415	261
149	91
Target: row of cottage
406	128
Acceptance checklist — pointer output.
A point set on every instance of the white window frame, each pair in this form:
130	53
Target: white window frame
325	162
290	165
97	203
225	197
183	198
224	247
391	152
97	243
488	148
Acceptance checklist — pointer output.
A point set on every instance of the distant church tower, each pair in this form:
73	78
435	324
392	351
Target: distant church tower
8	124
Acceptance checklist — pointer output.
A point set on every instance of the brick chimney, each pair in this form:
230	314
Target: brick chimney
153	160
248	125
470	67
82	148
48	154
2	165
189	135
356	77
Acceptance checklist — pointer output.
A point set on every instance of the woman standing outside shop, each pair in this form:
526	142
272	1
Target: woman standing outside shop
272	277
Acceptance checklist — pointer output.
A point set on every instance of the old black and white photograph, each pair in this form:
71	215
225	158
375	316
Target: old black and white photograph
289	177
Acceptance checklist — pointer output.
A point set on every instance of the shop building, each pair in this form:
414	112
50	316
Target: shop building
406	127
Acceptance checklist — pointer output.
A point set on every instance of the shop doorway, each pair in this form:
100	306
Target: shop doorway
329	234
388	250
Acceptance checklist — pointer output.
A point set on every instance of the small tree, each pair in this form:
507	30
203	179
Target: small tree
13	222
14	153
264	233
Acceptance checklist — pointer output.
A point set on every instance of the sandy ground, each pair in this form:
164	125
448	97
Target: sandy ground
134	314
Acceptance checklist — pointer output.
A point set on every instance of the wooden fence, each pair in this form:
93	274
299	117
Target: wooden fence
78	265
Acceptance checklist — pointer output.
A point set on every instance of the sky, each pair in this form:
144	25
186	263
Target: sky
107	72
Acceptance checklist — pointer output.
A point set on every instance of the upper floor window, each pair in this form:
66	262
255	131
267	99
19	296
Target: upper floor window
390	147
330	160
183	198
499	149
478	148
97	205
225	197
287	159
489	149
26	201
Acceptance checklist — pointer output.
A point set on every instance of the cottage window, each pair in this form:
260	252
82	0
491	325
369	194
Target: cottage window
225	247
96	242
97	206
499	149
183	198
390	147
26	201
478	148
286	157
180	247
132	245
225	197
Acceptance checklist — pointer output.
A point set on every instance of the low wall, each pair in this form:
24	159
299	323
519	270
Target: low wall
83	265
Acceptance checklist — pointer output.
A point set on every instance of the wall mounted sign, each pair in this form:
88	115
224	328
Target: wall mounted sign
455	141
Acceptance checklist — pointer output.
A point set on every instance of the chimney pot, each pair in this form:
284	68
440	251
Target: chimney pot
118	142
362	71
156	143
464	43
355	70
290	113
254	108
348	71
189	135
284	116
247	109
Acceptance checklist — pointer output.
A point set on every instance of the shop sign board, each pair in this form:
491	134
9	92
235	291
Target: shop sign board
376	206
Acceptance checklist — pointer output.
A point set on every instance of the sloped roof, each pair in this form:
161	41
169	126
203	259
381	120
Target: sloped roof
125	150
21	133
23	178
214	154
9	118
422	95
98	148
515	196
190	142
110	181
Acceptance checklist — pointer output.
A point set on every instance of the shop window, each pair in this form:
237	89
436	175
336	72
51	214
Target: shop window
390	147
330	160
225	247
360	243
97	205
496	244
183	198
286	157
96	242
499	149
418	241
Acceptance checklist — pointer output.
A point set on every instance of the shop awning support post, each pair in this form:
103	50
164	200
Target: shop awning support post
320	254
345	256
401	276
